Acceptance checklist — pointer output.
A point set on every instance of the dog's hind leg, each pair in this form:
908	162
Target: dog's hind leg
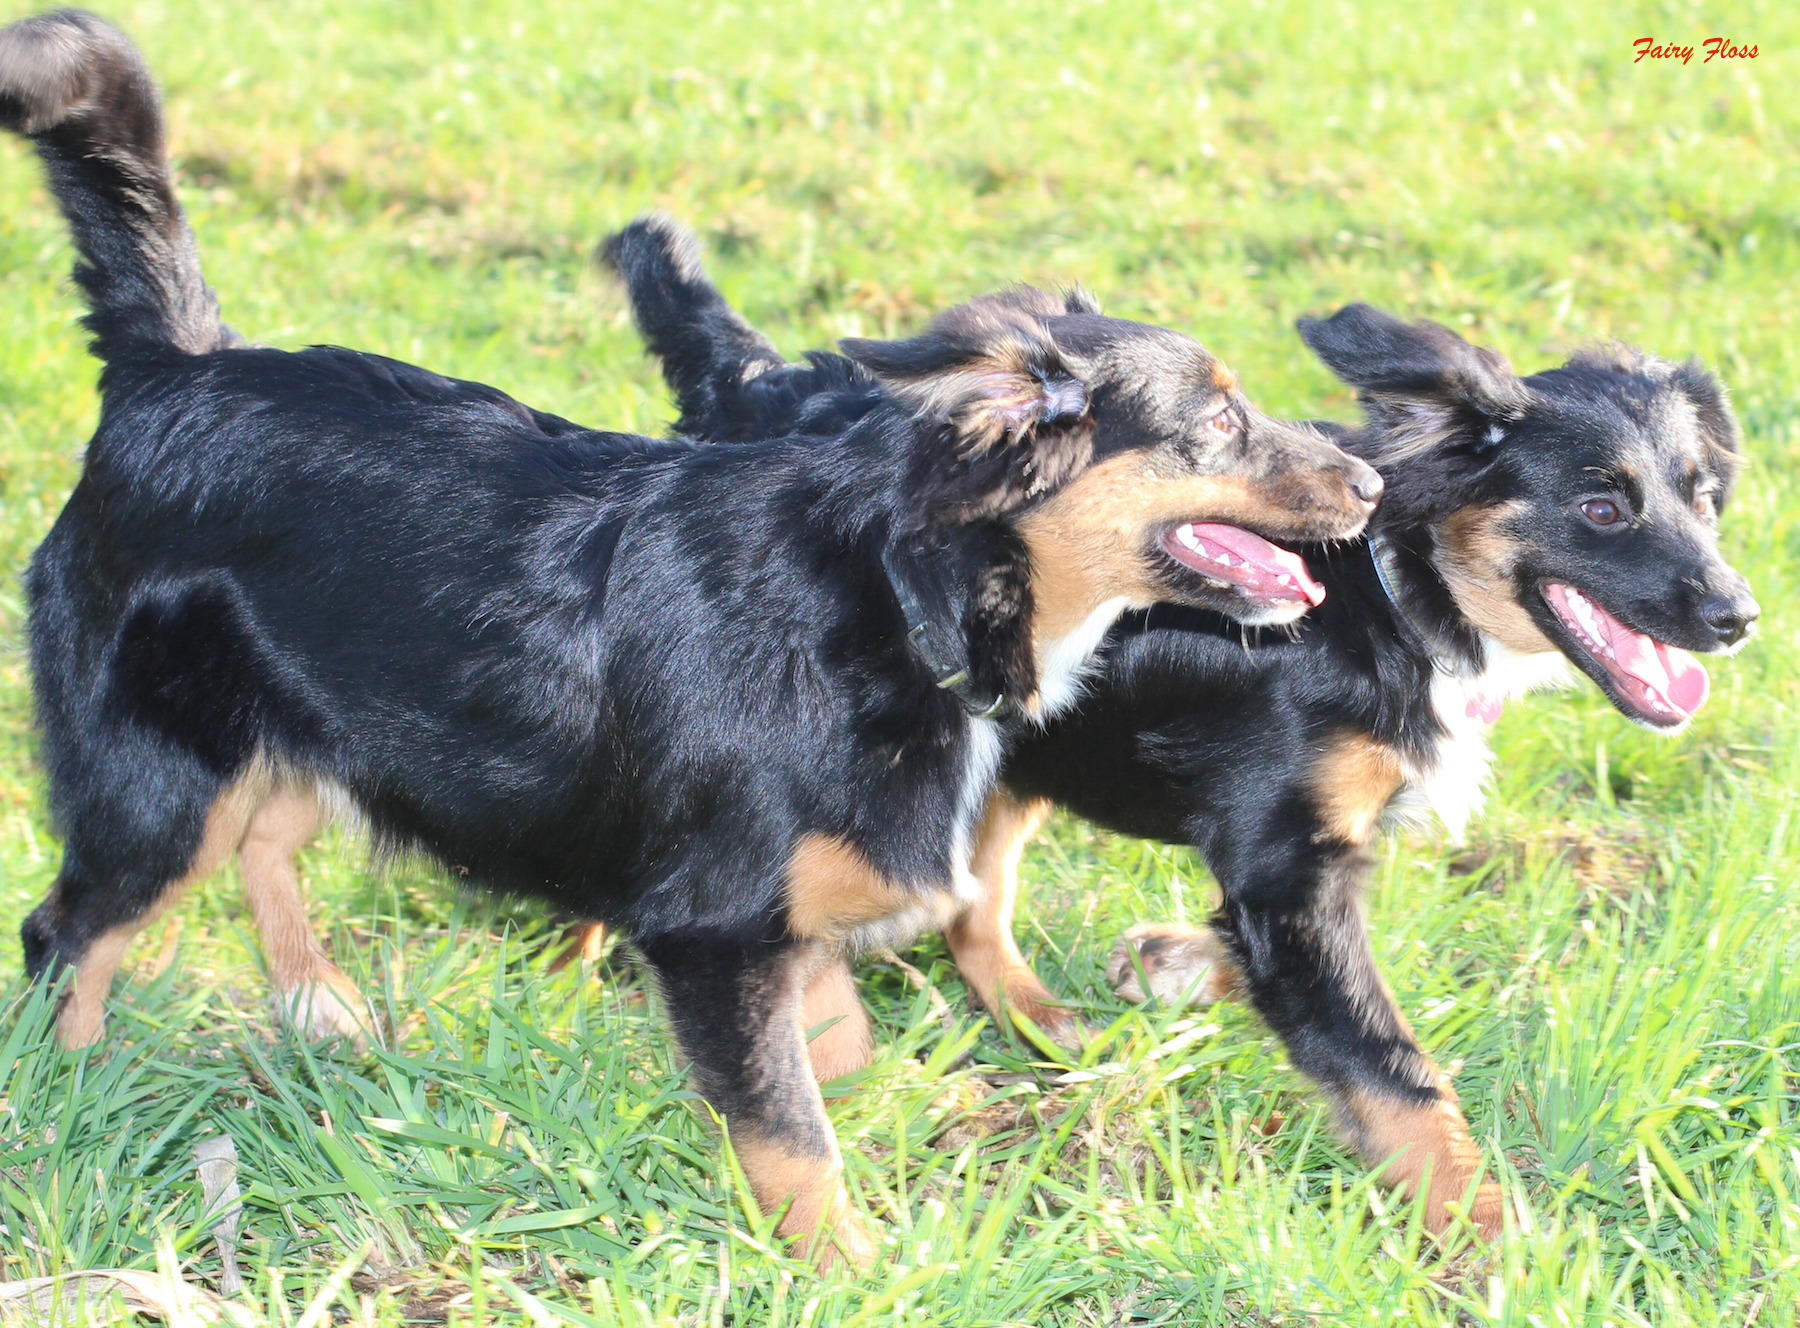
981	937
738	1007
313	994
124	862
848	1042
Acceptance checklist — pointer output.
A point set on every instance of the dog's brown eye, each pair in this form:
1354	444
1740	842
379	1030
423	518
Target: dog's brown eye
1224	422
1705	505
1601	511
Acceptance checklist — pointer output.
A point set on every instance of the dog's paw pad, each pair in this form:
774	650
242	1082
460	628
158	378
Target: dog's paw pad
1181	965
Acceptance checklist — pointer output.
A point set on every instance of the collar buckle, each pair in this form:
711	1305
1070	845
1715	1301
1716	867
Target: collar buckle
955	678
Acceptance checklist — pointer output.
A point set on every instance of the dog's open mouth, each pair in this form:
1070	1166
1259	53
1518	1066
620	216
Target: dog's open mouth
1249	564
1661	684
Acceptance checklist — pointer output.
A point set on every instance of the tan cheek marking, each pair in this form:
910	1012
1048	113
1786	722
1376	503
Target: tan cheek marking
79	1022
1413	1135
1477	558
1353	780
832	889
1092	542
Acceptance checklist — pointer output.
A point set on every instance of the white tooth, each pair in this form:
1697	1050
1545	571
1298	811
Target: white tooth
1188	539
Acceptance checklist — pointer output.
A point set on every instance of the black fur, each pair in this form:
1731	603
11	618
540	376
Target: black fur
632	678
716	362
1190	734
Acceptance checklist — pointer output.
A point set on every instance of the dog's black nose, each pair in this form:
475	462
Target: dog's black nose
1730	616
1366	483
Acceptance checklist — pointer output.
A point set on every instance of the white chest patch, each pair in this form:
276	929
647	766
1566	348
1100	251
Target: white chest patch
1069	660
1453	783
936	907
979	773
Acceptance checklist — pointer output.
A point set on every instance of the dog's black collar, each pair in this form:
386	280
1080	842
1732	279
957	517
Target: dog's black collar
951	676
1386	560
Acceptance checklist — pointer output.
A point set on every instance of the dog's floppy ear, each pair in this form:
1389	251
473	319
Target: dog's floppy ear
1718	425
1421	382
1014	406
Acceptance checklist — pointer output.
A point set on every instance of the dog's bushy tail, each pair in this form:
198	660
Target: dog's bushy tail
79	90
730	383
702	342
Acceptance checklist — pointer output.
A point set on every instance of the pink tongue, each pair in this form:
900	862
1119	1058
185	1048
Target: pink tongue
1668	671
1262	555
1676	675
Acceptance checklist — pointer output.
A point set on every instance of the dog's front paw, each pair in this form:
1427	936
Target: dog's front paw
852	1243
1181	965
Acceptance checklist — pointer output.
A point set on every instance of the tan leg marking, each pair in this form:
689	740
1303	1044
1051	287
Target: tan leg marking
82	1016
586	942
819	1219
981	936
1184	965
833	891
313	994
1409	1138
1354	779
847	1044
1477	562
83	1012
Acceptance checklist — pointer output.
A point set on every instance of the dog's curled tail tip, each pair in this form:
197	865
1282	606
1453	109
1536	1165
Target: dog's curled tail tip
655	245
79	89
60	66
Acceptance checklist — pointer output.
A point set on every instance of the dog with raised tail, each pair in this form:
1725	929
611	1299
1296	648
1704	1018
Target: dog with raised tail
745	703
1530	526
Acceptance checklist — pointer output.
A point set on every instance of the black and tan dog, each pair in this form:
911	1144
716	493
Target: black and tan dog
1527	523
741	702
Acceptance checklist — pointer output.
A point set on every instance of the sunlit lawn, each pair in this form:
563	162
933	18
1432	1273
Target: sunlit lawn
1608	956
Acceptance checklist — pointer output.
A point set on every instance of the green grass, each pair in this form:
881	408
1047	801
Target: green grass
1608	957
